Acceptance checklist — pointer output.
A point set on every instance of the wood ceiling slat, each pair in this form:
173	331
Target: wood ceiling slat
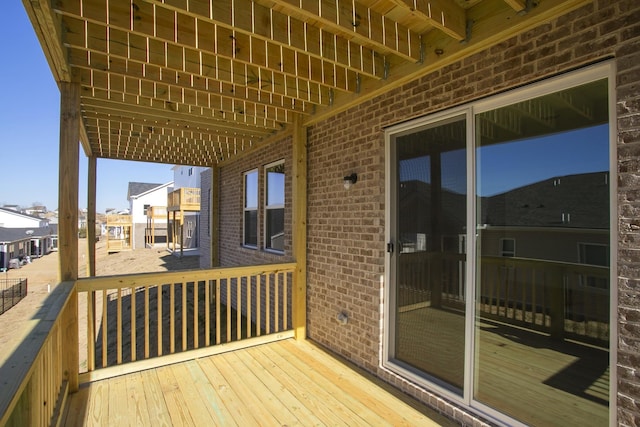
148	83
150	113
172	57
445	15
361	25
205	33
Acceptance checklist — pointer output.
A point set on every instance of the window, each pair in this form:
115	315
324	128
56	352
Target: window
508	247
250	229
274	206
144	210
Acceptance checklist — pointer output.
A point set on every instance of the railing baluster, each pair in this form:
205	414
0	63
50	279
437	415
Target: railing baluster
133	324
160	322
172	318
119	326
258	304
146	322
249	308
285	321
207	312
195	315
104	328
91	331
267	295
238	308
183	289
276	303
228	309
218	311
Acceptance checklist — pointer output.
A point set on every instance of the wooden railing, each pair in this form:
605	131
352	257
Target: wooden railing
141	317
39	373
157	212
118	220
562	299
185	198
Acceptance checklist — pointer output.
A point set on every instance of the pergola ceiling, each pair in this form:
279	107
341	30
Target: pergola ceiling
195	82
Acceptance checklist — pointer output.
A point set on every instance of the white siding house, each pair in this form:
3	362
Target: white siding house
141	196
13	219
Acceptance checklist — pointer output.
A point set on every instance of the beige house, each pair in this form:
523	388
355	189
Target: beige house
321	123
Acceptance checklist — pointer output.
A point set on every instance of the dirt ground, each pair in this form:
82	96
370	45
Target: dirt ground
42	276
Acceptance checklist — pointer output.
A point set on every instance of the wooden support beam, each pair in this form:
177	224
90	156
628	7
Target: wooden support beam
299	225
68	218
517	5
445	15
91	217
356	23
68	181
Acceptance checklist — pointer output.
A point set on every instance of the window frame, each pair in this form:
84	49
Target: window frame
268	208
505	253
246	209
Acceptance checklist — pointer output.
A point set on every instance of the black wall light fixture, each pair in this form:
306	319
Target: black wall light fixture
349	180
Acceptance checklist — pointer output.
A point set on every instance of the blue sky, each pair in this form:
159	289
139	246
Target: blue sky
29	118
524	161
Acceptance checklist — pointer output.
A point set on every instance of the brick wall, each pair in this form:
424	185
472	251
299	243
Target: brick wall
232	253
346	228
206	179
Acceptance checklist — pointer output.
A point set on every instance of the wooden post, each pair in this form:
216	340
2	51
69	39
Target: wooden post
168	224
91	260
181	233
299	226
91	218
68	217
556	290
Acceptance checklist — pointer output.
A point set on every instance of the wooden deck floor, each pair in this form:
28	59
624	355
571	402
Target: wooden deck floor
282	383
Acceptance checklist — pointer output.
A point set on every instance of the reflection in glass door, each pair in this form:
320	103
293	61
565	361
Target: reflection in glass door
430	218
542	258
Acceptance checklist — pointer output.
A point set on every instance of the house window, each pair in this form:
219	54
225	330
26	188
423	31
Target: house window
596	255
508	247
459	321
274	206
146	207
250	228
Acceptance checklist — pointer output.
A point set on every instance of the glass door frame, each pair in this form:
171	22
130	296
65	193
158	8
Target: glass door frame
585	75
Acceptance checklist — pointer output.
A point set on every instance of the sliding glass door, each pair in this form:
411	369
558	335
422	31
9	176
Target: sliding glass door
430	214
521	333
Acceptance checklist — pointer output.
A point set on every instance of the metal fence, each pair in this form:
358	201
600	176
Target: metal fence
11	292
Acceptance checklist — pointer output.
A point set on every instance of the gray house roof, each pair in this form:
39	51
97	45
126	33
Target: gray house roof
8	235
136	188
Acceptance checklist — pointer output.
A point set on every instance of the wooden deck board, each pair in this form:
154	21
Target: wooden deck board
281	383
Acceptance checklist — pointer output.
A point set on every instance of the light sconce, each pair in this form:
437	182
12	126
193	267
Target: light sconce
349	180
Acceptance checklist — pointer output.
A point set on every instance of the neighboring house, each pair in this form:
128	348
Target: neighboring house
141	196
36	211
10	218
184	201
21	243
